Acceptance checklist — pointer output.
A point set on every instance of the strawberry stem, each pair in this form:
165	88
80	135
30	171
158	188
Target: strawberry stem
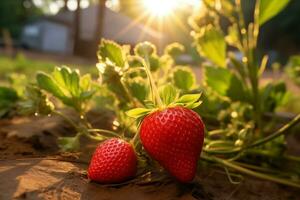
104	131
155	94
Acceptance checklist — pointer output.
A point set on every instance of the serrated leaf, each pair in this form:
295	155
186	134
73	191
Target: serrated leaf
67	86
174	49
110	74
154	63
35	102
144	49
270	8
188	98
135	61
168	94
211	43
85	82
109	50
226	83
183	78
138	112
138	88
47	83
273	95
233	35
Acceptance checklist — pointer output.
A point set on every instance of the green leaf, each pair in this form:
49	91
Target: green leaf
226	83
183	78
138	112
273	95
47	83
194	105
174	49
149	104
168	94
211	43
138	88
85	82
154	63
35	102
144	49
8	94
111	74
8	98
233	36
109	50
188	98
68	143
270	8
67	86
135	61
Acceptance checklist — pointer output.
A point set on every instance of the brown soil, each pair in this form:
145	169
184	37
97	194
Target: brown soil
31	167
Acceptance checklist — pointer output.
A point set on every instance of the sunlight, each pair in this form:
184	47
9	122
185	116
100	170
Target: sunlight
162	8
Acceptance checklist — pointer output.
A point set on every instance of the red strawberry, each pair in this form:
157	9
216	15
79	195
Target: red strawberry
174	137
113	161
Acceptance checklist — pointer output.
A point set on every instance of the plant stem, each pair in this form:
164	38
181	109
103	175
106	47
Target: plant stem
134	140
292	158
250	172
104	131
264	140
155	93
278	133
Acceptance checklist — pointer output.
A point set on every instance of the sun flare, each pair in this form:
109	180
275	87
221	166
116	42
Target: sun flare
159	8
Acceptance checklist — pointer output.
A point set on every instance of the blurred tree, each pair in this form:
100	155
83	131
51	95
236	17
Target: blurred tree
77	46
65	5
14	13
100	19
80	45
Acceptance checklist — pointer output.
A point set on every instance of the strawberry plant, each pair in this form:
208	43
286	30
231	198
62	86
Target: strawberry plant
157	104
8	98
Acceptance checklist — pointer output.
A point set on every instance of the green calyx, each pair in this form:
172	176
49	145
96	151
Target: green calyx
169	98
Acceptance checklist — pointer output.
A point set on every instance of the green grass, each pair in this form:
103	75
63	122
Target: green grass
23	65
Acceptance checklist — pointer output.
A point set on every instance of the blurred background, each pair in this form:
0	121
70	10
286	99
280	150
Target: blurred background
65	28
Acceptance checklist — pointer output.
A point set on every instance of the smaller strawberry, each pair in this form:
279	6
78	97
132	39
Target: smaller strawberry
113	161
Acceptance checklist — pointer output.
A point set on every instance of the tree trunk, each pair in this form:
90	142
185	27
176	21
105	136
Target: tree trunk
100	21
8	43
77	28
65	5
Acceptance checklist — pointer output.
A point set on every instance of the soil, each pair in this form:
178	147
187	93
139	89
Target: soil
32	167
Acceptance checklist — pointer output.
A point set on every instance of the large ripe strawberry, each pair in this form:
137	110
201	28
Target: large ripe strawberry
113	161
174	137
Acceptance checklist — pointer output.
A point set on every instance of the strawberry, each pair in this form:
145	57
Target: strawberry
174	137
113	161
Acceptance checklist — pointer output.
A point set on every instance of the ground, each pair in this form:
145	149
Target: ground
32	167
